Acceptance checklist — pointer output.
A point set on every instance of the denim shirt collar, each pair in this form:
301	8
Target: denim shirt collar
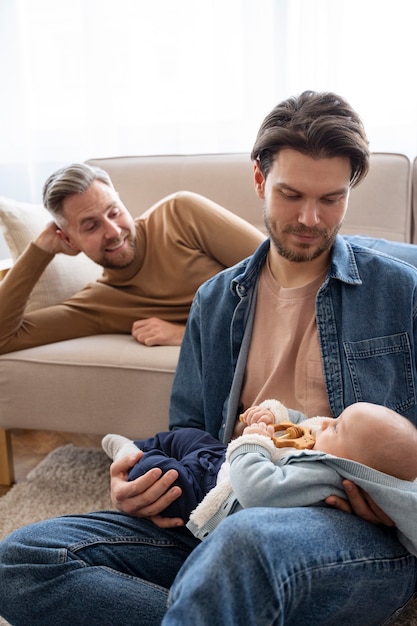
243	282
343	263
343	266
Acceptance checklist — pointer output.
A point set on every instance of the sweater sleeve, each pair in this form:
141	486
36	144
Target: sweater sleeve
204	225
19	330
397	498
282	414
262	476
15	290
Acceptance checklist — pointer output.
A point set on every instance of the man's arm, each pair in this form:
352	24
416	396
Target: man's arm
198	223
15	290
56	323
187	402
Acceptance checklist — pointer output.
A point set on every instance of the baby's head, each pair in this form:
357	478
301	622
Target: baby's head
373	435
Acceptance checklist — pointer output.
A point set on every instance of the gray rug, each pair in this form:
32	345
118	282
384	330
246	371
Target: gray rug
76	480
69	480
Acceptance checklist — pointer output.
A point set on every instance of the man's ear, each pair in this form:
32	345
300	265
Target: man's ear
259	180
67	240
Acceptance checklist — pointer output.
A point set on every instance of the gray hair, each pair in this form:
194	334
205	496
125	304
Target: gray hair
75	178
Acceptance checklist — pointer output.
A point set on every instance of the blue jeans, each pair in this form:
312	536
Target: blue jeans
260	566
103	568
293	567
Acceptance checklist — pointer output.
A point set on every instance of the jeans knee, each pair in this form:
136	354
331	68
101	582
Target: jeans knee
239	534
25	546
11	560
8	551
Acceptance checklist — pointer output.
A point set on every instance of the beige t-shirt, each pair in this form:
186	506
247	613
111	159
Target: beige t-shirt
284	360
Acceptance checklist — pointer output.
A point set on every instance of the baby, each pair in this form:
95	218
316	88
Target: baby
368	444
366	434
370	434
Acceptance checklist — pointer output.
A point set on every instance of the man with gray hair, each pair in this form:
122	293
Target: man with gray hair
152	265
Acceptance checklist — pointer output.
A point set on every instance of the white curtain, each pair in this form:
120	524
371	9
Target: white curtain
93	78
90	78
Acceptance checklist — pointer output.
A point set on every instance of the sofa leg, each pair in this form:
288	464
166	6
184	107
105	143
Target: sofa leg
6	458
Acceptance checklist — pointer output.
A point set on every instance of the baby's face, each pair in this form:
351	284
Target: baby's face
373	435
332	436
349	434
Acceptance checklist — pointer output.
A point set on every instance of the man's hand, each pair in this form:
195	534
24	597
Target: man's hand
360	504
156	332
146	496
53	240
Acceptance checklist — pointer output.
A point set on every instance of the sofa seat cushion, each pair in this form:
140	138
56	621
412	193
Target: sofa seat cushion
75	379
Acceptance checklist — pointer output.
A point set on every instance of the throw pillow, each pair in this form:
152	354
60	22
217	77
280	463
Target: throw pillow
65	275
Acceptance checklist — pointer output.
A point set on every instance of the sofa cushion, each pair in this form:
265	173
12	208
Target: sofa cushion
100	384
380	206
65	275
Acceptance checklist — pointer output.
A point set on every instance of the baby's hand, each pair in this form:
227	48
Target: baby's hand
256	415
259	428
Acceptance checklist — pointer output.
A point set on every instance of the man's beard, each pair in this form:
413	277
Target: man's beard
300	255
125	259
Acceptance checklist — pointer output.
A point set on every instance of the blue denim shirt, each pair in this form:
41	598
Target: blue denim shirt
366	311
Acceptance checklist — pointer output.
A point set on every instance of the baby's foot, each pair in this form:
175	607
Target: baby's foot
116	446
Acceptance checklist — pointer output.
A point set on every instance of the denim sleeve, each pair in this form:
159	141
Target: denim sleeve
404	251
186	406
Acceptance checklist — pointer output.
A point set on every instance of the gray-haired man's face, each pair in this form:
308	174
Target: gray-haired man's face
97	223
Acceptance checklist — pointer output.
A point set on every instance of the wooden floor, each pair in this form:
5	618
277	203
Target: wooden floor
31	446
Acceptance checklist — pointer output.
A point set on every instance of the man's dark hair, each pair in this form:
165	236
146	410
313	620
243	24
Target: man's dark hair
317	124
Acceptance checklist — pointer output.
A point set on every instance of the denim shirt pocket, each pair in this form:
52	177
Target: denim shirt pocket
381	371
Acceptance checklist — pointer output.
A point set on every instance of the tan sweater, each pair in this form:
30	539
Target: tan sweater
181	243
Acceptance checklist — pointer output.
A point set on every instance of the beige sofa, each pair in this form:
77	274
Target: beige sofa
110	383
